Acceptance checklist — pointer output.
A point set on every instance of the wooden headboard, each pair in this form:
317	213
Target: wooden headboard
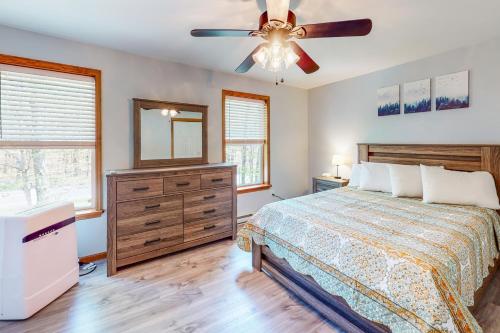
453	157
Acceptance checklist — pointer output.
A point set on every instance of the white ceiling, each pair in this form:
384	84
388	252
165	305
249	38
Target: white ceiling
404	30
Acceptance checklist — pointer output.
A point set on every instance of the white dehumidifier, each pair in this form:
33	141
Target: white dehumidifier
38	259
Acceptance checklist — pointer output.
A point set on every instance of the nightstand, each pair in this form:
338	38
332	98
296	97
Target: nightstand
327	183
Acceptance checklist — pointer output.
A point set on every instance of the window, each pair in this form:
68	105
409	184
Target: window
50	145
245	120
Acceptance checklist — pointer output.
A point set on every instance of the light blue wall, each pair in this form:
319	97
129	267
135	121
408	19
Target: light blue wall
345	113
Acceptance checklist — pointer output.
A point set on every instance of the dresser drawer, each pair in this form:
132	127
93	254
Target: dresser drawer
207	197
320	187
181	183
131	245
218	179
138	189
148	214
207	210
325	186
207	227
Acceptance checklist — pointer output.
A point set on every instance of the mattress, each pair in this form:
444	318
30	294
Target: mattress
411	266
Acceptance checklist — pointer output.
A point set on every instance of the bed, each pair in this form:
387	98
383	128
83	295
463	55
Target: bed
373	263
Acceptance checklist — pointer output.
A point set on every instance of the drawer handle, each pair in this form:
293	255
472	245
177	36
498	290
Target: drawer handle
152	241
208	197
215	180
209	211
183	184
140	189
152	222
208	227
152	207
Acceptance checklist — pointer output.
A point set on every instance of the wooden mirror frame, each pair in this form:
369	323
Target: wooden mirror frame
150	104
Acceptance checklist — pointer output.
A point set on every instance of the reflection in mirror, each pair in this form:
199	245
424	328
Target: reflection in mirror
168	134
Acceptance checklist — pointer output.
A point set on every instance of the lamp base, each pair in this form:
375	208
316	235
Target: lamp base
337	176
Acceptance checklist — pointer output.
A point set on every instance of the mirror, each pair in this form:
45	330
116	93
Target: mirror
167	133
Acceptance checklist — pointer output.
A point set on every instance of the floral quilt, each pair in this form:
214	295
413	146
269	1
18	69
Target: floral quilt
411	266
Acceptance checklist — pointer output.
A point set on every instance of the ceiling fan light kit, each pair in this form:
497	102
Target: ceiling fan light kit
278	26
275	57
169	113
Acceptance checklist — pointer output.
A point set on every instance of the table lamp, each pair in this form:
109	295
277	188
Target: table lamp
338	160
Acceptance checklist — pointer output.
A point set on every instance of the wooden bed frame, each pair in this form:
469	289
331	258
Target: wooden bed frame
335	308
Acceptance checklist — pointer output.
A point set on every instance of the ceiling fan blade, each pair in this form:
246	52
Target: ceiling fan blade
221	33
248	62
337	29
277	10
305	62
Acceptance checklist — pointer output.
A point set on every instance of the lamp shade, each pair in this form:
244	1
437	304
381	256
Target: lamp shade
338	159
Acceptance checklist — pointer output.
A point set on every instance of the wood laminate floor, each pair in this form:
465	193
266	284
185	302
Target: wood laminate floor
207	289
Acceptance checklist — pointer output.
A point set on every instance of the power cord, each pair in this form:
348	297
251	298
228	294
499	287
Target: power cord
277	196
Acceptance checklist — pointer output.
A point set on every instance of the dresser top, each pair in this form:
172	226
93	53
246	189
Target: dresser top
168	169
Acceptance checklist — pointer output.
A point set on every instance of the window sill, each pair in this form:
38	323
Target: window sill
88	214
253	188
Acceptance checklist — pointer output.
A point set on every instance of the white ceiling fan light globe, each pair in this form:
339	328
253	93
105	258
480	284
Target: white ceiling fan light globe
277	11
275	65
164	112
173	113
262	56
290	57
276	49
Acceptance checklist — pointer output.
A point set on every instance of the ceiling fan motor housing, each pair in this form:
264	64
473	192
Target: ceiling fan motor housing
266	25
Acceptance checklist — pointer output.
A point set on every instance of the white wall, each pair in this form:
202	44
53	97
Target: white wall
126	76
345	113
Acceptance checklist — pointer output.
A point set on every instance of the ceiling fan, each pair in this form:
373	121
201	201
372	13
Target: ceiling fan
278	26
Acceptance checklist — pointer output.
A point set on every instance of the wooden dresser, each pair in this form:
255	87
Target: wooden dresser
152	212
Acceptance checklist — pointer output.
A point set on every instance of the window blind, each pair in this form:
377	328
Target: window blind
36	107
245	119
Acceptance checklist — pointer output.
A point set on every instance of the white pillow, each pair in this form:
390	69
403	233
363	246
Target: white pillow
375	177
355	175
459	188
406	180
